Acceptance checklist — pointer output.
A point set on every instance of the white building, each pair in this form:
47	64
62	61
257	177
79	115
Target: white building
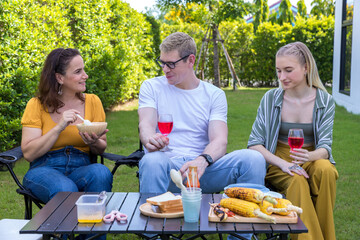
346	68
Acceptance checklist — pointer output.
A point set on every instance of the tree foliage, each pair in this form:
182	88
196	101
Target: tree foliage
285	13
115	41
318	35
267	40
219	11
229	10
238	37
261	13
265	11
119	44
253	55
188	13
322	8
302	11
273	17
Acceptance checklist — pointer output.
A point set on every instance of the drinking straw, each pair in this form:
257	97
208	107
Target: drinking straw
193	174
187	176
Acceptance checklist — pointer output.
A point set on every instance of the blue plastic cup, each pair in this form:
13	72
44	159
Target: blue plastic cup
191	201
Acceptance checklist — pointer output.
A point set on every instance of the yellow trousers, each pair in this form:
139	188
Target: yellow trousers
315	195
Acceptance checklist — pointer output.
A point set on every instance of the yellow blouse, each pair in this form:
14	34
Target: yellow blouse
36	117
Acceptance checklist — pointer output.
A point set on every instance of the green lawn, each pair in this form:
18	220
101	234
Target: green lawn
123	139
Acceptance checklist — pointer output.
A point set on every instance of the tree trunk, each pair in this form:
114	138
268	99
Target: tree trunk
216	58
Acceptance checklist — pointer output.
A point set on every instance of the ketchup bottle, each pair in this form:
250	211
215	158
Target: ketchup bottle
193	180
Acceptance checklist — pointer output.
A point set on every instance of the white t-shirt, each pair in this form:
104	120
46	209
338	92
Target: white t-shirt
192	110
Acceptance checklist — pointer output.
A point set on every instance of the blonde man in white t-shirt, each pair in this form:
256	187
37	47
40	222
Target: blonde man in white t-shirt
199	134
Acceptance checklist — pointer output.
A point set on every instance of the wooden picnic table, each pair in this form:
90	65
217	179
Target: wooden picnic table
59	216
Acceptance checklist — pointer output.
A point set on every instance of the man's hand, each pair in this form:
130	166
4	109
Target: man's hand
199	162
157	142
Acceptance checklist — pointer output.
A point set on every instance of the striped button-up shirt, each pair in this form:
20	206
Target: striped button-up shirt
265	130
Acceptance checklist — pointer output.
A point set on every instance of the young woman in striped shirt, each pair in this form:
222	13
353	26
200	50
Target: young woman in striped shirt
307	176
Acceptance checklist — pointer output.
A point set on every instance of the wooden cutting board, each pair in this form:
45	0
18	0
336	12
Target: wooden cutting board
146	210
291	218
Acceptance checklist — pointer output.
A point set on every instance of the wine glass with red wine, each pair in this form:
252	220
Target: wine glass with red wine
165	125
295	138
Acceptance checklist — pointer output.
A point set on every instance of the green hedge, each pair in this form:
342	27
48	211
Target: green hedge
254	55
268	39
115	41
119	44
238	38
318	35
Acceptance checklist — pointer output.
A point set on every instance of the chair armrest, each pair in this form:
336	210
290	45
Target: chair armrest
11	156
132	160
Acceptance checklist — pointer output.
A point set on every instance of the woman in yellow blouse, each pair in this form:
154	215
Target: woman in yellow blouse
57	152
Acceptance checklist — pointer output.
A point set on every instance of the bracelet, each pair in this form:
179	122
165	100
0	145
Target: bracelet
295	167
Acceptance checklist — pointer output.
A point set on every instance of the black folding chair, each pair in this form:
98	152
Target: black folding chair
10	157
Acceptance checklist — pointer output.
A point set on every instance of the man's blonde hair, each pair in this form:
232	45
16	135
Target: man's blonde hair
304	56
179	41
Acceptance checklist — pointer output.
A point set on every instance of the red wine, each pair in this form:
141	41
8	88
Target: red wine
165	127
295	142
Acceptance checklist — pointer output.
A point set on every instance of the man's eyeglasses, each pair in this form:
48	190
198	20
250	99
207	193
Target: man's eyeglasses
170	65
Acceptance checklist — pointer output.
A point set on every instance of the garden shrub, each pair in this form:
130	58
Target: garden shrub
119	46
237	36
318	35
116	43
268	39
28	31
254	55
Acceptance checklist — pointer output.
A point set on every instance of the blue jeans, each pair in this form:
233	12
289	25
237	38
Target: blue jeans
66	170
240	166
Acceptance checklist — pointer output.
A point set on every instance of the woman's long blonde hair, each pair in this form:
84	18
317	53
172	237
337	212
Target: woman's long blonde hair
304	56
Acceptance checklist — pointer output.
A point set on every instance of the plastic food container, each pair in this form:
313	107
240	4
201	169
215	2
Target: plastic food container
90	209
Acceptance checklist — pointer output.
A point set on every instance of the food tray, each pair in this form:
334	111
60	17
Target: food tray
291	218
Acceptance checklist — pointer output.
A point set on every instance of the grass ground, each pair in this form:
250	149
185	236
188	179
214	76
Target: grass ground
123	139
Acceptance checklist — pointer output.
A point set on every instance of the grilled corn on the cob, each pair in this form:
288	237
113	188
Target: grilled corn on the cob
248	194
245	208
268	208
284	203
